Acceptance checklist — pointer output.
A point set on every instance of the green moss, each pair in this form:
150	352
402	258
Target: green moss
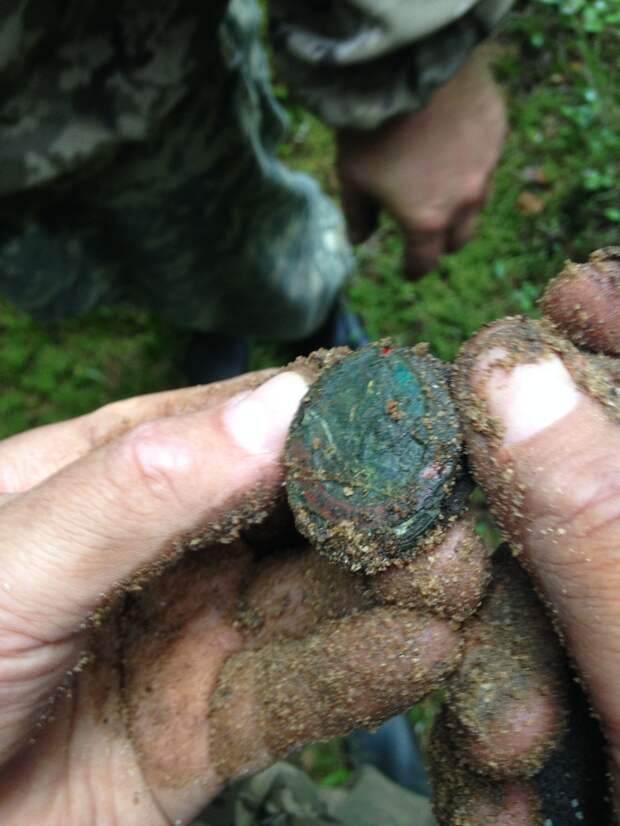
53	373
558	68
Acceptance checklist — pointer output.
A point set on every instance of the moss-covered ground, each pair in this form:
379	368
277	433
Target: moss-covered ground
558	64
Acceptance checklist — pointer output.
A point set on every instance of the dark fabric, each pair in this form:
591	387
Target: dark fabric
137	164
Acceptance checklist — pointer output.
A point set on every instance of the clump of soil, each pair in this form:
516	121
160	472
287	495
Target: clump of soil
374	457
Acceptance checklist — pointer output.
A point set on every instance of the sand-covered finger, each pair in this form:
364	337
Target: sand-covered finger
584	301
448	579
507	703
291	592
351	673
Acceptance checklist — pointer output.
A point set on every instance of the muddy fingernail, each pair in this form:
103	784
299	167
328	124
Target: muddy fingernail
259	421
528	398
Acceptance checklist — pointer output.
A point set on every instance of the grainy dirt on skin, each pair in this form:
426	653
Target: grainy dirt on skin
463	798
291	592
272	700
448	579
161	632
512	659
598	376
584	301
510	652
524	341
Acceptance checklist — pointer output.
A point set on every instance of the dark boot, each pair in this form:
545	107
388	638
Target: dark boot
393	749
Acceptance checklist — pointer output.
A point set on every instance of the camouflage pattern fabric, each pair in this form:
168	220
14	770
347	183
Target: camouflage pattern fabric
137	164
357	63
284	796
137	147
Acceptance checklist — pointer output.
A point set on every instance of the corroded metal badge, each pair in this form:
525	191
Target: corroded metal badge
374	457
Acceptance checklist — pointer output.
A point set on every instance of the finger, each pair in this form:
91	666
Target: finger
463	798
352	673
292	592
361	212
570	786
119	512
548	455
29	458
422	252
68	541
262	703
506	706
463	225
449	579
584	301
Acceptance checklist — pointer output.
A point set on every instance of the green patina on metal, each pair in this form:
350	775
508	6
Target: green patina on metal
374	457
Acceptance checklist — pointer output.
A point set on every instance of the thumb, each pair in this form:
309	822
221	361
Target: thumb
548	455
67	542
360	211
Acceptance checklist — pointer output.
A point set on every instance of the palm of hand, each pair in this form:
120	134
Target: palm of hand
157	722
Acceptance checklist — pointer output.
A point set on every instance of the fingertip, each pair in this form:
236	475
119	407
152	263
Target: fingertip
529	398
512	382
258	422
449	579
361	212
350	673
584	301
423	253
463	797
515	739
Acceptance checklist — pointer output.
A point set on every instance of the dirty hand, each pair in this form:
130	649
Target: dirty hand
430	169
543	434
189	673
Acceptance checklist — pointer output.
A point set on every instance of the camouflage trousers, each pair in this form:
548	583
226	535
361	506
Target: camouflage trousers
197	220
284	796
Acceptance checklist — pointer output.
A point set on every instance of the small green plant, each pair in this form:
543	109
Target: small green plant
586	16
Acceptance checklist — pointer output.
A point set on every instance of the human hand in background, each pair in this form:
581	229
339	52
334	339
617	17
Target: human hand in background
430	169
